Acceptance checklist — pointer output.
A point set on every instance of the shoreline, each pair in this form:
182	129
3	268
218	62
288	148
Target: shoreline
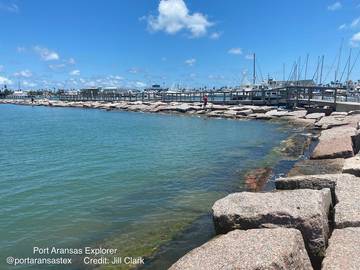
280	116
333	141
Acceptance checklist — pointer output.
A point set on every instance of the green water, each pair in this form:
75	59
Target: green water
131	181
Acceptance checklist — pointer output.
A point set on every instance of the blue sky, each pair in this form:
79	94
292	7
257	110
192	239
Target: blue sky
134	43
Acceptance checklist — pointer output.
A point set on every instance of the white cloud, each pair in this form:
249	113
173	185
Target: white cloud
20	49
355	22
215	35
9	7
71	61
335	6
4	80
29	84
343	26
134	70
190	62
75	72
46	54
55	67
249	56
23	73
355	40
140	84
236	51
174	16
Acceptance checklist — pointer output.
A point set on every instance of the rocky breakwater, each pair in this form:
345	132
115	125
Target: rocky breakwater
322	207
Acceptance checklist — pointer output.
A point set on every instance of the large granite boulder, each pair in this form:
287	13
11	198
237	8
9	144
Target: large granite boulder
278	113
332	121
245	112
258	249
343	251
303	209
347	209
317	182
352	165
336	143
315	116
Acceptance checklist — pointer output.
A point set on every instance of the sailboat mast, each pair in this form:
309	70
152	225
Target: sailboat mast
306	65
321	70
254	69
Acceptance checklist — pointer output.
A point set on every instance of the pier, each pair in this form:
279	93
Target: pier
291	96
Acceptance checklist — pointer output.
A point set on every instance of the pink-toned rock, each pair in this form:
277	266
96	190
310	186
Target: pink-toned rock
336	143
257	249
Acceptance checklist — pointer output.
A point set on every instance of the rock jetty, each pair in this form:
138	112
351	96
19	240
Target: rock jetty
314	212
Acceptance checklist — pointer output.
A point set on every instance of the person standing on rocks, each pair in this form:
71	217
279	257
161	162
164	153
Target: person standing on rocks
205	101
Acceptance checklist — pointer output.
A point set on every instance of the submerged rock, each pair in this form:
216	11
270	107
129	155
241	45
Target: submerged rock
304	209
256	179
343	251
317	166
256	249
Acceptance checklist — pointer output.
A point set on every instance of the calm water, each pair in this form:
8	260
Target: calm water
132	181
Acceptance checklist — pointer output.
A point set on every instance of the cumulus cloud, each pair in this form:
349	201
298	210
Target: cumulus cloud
174	16
335	6
236	51
4	80
23	73
355	40
46	54
75	72
215	35
190	62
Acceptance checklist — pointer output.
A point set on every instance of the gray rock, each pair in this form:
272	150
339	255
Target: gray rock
260	116
277	113
298	113
303	209
245	112
347	210
339	113
218	107
354	112
343	251
215	113
317	182
258	249
352	166
335	143
314	115
332	121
